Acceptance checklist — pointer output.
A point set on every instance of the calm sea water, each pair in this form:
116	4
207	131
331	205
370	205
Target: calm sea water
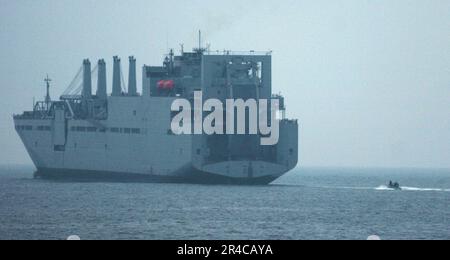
305	204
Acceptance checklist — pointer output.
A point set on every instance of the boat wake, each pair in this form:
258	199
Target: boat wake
383	187
379	188
404	188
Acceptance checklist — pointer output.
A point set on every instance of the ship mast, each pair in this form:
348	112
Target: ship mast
200	49
47	97
199	39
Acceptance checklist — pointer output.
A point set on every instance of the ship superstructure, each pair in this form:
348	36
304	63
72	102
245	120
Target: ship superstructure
127	136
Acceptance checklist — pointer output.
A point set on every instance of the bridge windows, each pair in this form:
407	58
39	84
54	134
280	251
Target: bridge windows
83	129
24	127
115	130
59	148
44	128
127	131
30	128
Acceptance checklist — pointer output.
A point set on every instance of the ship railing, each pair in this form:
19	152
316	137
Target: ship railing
70	97
32	115
25	115
241	53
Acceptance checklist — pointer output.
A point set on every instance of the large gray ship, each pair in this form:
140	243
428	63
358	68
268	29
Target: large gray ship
127	136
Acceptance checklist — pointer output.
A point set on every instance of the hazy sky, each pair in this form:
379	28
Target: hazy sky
369	80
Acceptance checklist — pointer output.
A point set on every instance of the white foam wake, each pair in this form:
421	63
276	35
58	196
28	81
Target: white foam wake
384	187
423	189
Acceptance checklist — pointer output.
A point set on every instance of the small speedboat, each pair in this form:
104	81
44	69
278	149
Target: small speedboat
394	185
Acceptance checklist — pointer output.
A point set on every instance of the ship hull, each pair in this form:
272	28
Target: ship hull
130	138
191	176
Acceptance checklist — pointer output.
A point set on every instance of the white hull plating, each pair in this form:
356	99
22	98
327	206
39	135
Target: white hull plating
151	151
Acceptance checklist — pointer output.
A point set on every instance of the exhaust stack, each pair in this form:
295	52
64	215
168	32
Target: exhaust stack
117	86
87	82
132	88
101	83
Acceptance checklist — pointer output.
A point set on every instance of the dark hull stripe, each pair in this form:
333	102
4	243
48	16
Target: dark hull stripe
192	176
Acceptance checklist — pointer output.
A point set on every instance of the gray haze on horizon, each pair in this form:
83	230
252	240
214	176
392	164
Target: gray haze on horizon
369	80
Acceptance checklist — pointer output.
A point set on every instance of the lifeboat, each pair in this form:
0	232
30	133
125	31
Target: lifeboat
169	84
165	84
